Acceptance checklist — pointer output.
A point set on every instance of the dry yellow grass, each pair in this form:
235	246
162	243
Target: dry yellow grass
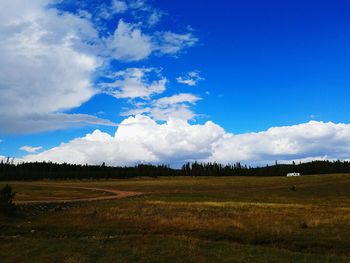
196	220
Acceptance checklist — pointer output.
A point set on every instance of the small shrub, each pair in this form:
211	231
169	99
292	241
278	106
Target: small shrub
303	225
293	188
7	195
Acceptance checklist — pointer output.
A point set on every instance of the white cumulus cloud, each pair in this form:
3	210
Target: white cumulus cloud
135	83
138	139
30	149
178	98
141	139
130	43
172	43
50	59
45	63
312	140
119	6
166	108
139	10
175	111
190	79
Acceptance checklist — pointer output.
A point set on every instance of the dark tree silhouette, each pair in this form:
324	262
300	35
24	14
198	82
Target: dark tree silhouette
7	195
48	170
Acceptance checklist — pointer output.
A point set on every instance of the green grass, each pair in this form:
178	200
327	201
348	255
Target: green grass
236	219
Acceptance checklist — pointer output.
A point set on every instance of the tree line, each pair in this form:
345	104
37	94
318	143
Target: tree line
48	170
237	169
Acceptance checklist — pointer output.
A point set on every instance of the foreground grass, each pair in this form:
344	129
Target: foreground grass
135	248
238	219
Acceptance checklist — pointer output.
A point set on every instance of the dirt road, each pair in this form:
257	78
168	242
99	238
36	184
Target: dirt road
115	194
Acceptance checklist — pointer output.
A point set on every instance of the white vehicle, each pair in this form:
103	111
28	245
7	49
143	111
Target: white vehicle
293	174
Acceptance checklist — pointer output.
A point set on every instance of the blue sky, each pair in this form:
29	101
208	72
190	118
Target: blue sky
255	65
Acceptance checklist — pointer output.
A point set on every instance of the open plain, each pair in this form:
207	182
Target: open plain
180	219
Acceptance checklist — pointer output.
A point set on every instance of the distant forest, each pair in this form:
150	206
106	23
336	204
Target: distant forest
48	170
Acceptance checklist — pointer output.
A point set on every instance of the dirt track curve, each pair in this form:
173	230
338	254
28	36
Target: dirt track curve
115	194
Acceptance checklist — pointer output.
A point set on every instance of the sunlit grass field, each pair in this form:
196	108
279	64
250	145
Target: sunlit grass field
197	219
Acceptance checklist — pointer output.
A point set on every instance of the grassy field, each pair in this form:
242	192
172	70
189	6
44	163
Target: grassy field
237	219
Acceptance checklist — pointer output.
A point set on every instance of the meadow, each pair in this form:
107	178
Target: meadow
183	219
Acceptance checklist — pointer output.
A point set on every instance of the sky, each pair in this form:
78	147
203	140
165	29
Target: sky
160	81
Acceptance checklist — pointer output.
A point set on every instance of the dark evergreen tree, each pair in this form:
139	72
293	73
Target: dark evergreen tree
7	195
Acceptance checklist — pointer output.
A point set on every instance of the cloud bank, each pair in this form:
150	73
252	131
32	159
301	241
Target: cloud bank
140	139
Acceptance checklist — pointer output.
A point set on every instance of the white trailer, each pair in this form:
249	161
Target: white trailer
293	174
